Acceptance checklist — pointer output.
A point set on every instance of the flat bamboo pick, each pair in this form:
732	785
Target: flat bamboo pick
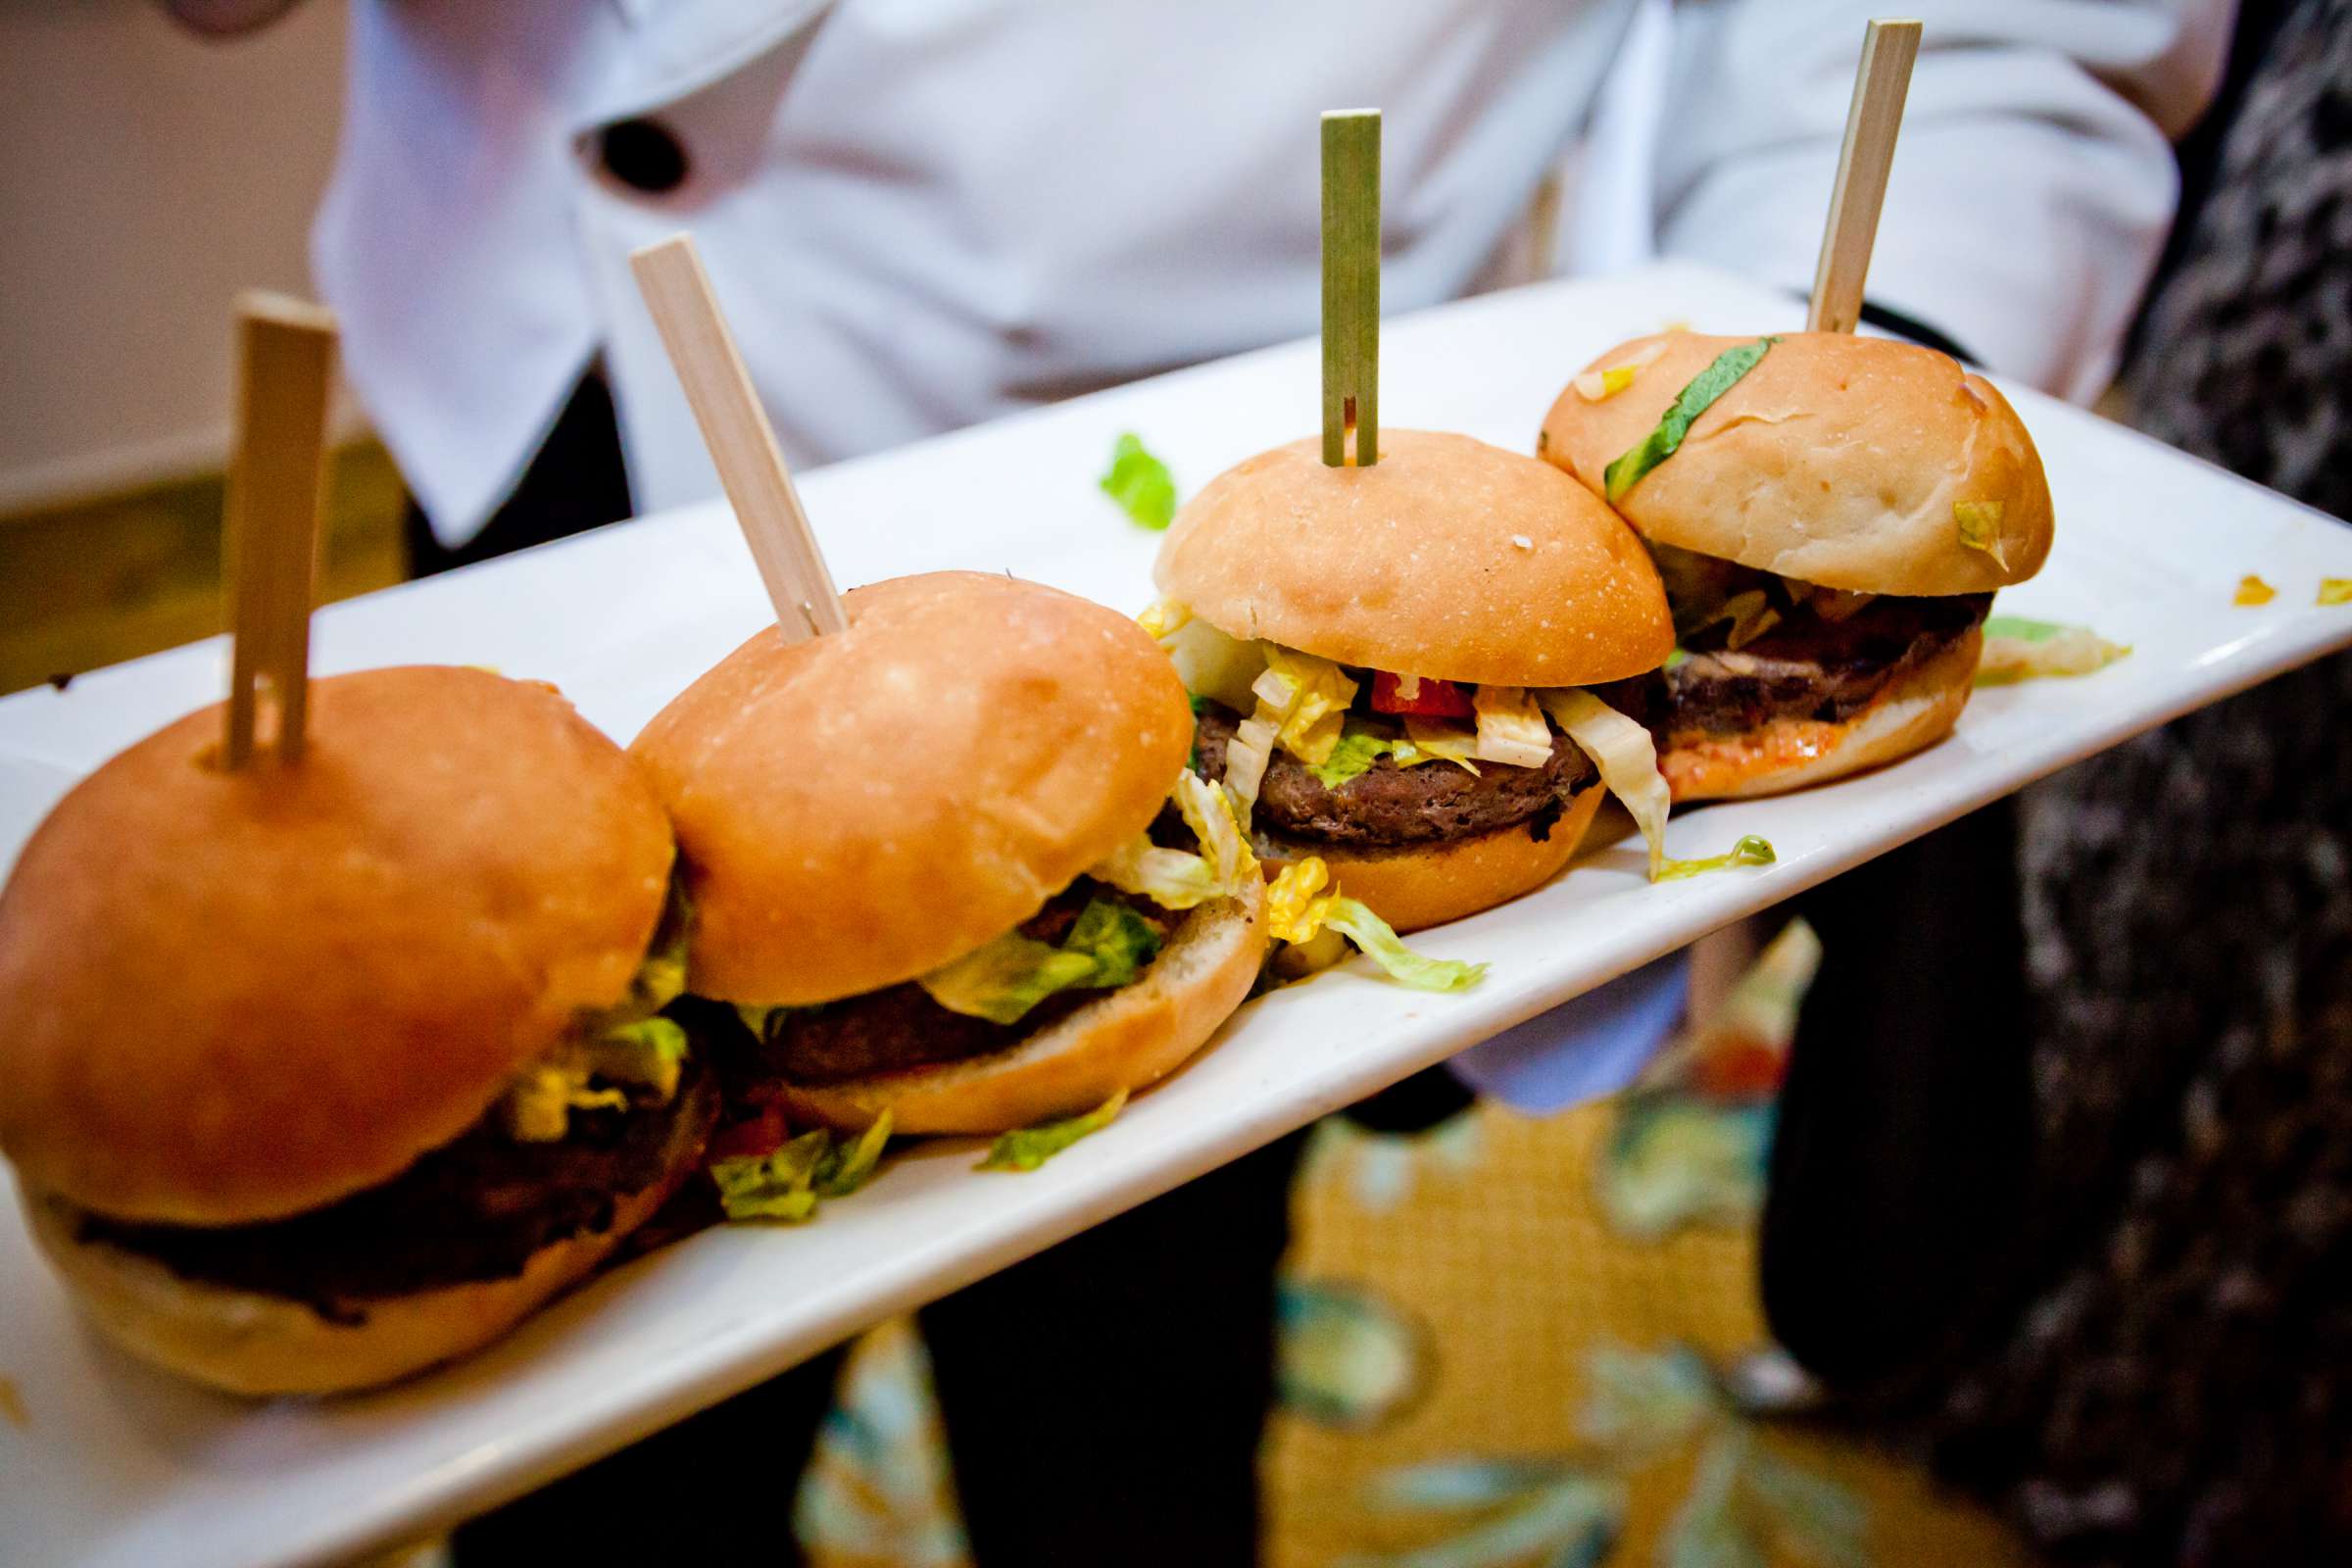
1352	287
277	483
743	444
1872	123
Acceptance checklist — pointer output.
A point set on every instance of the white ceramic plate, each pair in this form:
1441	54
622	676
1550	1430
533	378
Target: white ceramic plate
116	1464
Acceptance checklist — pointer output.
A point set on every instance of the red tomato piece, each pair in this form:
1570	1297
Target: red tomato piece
1437	699
763	1135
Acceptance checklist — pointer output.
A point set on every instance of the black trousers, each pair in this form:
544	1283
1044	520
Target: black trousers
1895	1226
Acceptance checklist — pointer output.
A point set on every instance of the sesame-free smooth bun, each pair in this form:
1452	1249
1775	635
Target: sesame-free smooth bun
857	809
1837	460
1124	1039
1447	558
232	997
1423	885
254	1343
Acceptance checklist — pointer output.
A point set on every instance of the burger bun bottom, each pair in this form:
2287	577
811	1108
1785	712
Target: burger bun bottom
252	1342
1910	715
1430	885
1129	1038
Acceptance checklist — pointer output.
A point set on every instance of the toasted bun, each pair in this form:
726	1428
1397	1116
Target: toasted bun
1429	886
1414	564
246	1342
1911	714
232	997
1131	1037
1837	460
859	808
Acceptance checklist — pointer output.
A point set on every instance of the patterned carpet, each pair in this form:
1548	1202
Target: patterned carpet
1507	1341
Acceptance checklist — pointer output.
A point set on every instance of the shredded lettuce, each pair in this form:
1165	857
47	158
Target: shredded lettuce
858	1163
1980	524
2252	590
1750	612
2017	649
1291	896
629	1043
1628	760
1175	879
1001	980
1688	404
2335	591
537	1107
1360	746
1596	385
1299	913
1208	811
1510	727
1830	604
1368	931
1447	743
1313	695
1352	757
1247	756
1209	662
786	1183
1164	616
1749	850
1031	1146
649	1053
1139	483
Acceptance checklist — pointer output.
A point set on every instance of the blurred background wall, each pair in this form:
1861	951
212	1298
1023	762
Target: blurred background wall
146	177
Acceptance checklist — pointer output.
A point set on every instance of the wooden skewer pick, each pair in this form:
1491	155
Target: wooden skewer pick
1352	287
1872	121
277	483
743	444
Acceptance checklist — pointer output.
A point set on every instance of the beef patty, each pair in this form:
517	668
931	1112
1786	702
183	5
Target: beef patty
475	1208
1387	807
1806	667
900	1027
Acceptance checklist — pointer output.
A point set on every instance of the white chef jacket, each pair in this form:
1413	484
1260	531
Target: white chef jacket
926	213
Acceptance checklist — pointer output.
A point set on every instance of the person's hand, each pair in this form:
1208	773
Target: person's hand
225	19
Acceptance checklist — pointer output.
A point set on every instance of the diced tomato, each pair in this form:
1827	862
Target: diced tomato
764	1134
1437	699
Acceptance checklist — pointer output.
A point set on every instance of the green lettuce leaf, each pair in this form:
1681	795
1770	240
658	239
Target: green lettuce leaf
1354	755
2024	630
649	1051
1119	941
1625	755
1688	404
1004	979
1032	1147
1749	850
2017	649
851	1166
786	1184
1382	944
1139	483
780	1185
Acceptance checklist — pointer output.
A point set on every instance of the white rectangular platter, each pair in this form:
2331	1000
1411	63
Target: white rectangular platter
112	1464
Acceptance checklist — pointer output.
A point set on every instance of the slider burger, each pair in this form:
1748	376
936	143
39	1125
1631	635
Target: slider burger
1832	516
950	864
1386	663
319	1073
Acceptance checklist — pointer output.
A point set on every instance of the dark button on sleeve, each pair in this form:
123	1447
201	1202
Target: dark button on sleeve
643	155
